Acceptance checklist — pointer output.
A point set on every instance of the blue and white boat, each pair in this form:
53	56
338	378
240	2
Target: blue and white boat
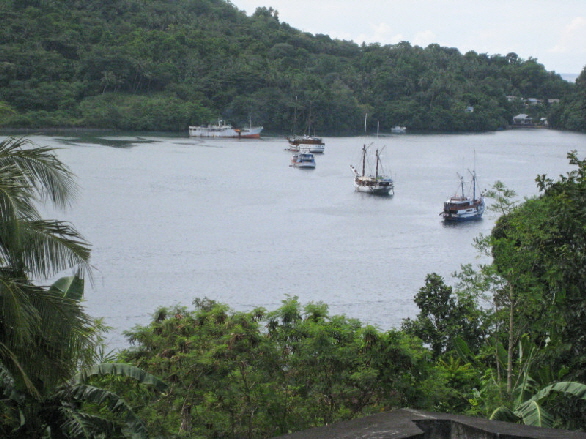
464	208
303	160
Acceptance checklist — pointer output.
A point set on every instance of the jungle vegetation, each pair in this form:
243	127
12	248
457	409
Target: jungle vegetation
505	342
165	65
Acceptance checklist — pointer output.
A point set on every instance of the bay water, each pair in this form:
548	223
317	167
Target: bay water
172	218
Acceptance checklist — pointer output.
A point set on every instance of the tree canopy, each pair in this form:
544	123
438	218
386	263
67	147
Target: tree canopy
160	65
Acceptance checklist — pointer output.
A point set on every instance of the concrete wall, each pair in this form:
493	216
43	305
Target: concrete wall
415	424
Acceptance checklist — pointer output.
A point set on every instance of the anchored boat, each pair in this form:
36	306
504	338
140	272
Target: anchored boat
464	208
303	160
225	131
377	183
311	143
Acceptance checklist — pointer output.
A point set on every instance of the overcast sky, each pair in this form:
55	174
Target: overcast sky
553	32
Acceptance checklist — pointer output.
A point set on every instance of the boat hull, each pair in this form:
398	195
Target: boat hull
305	140
381	186
303	161
305	166
315	149
472	211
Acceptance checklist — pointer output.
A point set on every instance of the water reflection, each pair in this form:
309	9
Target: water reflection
117	142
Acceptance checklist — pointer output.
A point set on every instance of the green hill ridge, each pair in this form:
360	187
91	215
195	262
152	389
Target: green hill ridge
165	65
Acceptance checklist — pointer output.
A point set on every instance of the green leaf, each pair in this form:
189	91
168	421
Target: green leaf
70	286
124	370
534	414
504	414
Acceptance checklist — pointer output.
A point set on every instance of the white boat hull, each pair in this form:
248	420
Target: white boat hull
314	145
383	186
315	149
225	131
373	184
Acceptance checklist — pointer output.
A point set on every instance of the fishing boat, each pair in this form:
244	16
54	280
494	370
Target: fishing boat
377	183
303	160
307	142
223	130
464	208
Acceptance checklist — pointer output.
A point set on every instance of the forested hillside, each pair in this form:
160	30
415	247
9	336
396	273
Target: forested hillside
163	65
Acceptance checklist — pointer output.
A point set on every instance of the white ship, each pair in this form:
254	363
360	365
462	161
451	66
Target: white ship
225	131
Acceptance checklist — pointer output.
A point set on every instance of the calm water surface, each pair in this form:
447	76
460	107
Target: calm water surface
172	218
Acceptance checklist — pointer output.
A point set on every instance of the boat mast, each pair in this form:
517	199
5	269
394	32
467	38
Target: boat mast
295	118
462	185
474	178
377	160
363	160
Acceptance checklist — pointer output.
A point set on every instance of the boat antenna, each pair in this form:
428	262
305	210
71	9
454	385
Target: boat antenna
461	185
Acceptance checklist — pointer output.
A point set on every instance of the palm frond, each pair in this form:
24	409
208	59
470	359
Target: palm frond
44	328
115	404
82	425
20	318
7	379
49	247
41	169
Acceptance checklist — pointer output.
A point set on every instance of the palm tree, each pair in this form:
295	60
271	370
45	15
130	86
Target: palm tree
42	330
75	409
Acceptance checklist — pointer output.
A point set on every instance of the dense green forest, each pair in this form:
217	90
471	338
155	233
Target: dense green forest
165	65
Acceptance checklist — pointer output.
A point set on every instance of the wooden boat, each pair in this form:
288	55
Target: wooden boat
311	143
377	183
464	208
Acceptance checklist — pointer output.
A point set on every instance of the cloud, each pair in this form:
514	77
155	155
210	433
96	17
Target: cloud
380	32
572	37
424	38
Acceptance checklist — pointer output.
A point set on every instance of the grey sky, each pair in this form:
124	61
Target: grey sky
553	32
